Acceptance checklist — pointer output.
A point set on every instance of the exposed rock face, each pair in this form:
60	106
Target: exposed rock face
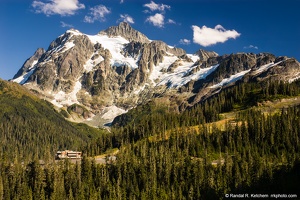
233	64
63	63
205	55
120	68
160	45
126	31
79	110
30	62
287	70
265	58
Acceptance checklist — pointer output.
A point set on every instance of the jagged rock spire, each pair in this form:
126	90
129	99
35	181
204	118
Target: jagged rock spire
204	55
126	31
29	62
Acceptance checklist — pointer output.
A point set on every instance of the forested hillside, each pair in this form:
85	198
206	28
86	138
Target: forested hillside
167	155
31	127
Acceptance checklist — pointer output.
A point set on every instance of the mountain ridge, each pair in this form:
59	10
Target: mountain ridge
125	30
120	68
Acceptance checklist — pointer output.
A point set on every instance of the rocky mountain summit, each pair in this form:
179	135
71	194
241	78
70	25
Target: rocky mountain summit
94	78
204	55
127	32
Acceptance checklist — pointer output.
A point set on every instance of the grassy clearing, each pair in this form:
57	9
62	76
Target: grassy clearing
276	105
110	152
267	107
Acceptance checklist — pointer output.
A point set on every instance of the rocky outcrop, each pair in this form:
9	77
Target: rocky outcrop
205	55
63	63
160	45
264	58
233	64
126	31
79	110
30	62
287	69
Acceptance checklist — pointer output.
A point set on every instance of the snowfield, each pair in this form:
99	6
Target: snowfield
90	64
111	112
231	79
266	67
180	75
66	99
115	45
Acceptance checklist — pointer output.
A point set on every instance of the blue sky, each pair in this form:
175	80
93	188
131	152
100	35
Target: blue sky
223	26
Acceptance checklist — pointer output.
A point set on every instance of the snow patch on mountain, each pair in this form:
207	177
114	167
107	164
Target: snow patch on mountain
231	79
91	63
61	98
67	46
62	48
193	57
115	45
33	64
202	73
59	50
157	70
179	78
266	67
111	112
74	32
180	75
296	77
22	79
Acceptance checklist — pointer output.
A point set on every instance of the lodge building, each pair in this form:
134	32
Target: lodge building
68	154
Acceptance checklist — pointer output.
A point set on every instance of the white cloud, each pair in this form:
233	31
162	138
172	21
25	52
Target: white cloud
251	47
97	13
126	18
63	24
171	21
206	36
60	7
122	1
185	41
160	7
156	20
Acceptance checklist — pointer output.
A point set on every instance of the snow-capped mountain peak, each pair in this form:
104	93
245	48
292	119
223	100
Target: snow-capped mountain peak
120	68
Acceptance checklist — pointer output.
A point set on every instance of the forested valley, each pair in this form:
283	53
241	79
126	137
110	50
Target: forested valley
162	154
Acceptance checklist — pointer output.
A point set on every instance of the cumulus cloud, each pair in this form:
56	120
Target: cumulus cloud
97	13
206	36
156	20
126	18
57	7
157	7
251	47
63	24
185	41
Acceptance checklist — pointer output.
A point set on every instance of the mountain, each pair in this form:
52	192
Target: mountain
97	77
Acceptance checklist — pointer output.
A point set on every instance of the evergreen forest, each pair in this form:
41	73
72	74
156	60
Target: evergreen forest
228	144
